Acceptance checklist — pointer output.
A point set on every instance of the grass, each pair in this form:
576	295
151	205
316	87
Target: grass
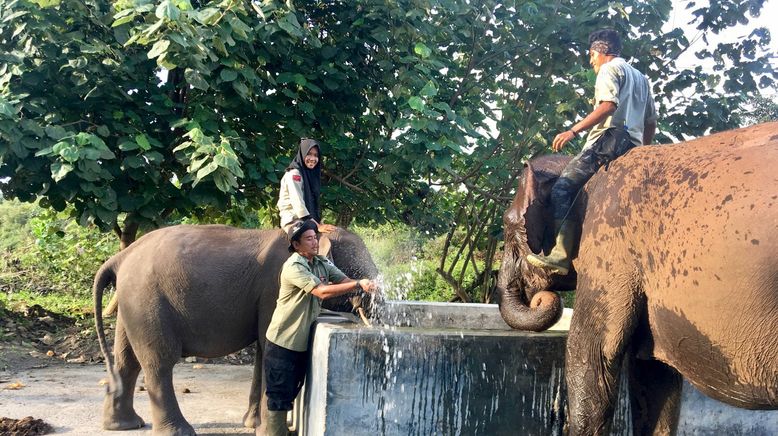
72	306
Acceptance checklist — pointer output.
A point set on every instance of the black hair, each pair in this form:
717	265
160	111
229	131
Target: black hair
610	37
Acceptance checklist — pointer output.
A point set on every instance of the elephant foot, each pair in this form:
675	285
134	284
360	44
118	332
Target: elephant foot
251	418
183	429
129	423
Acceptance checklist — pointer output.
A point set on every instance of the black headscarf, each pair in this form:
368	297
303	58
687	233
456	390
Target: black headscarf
311	178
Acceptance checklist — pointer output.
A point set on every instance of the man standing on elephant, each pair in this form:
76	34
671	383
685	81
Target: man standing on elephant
306	279
624	116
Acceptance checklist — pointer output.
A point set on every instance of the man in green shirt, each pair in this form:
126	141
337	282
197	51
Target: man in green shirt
306	280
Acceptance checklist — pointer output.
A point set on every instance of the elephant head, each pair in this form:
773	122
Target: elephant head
351	256
527	300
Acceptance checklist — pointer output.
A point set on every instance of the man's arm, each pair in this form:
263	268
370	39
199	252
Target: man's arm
344	287
649	129
598	115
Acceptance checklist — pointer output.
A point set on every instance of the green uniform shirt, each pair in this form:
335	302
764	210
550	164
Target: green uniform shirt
296	307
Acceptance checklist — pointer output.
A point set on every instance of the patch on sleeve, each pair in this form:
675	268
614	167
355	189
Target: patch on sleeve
297	178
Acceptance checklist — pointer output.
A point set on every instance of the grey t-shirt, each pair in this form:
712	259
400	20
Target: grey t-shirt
622	84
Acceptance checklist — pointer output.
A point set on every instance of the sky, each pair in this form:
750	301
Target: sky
681	16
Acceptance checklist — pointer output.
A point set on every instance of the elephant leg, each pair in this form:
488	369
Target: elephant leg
118	410
165	413
253	416
158	349
600	330
655	395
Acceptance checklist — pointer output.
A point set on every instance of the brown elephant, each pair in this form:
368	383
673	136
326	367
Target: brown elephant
676	270
204	291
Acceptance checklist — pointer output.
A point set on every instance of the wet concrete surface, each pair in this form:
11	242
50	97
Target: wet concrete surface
70	398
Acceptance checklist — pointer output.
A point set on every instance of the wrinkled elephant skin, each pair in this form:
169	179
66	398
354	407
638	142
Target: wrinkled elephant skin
677	271
204	291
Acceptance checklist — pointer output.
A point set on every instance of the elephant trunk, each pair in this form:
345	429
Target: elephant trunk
544	308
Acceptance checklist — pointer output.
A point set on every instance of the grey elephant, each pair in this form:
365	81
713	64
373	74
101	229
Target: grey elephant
676	271
204	291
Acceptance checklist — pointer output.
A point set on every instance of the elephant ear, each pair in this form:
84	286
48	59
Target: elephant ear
539	177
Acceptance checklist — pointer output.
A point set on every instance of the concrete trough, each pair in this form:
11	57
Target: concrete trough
458	369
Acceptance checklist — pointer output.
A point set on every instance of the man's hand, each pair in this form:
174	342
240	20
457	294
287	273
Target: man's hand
367	285
326	228
561	139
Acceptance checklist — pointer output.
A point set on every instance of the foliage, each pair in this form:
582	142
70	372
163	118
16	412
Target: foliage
133	111
14	223
73	306
763	110
52	256
408	261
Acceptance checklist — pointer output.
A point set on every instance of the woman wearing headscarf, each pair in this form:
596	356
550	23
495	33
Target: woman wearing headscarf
298	198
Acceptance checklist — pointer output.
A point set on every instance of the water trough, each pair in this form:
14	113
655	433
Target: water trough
458	369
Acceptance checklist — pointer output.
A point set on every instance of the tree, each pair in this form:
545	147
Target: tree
764	110
133	109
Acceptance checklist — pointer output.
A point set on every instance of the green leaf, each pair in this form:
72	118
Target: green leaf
154	156
429	90
143	142
97	142
14	15
79	62
416	103
45	4
60	170
290	25
128	145
123	20
207	16
228	75
133	162
224	182
167	9
159	48
204	171
106	216
422	50
7	109
285	77
33	127
70	153
195	79
313	87
241	89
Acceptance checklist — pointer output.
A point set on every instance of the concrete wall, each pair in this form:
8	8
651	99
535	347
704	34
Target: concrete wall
451	369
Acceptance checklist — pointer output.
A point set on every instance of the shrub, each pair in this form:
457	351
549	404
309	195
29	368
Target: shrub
52	253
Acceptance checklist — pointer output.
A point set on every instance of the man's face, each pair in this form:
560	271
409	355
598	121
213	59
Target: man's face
308	245
596	60
312	158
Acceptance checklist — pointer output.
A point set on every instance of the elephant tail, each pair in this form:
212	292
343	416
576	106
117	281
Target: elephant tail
104	277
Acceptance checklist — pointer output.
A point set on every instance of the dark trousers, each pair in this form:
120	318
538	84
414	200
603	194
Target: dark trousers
613	143
284	375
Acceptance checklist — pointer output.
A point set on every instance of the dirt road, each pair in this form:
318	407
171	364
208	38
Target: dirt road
69	397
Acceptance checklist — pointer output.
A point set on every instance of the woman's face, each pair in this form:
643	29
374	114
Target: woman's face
312	158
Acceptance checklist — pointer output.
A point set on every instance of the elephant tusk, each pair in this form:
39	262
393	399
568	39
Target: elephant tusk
361	313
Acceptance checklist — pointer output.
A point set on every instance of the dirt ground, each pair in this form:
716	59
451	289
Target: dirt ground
51	370
69	396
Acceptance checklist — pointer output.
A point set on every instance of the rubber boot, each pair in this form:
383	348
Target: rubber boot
276	423
559	260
